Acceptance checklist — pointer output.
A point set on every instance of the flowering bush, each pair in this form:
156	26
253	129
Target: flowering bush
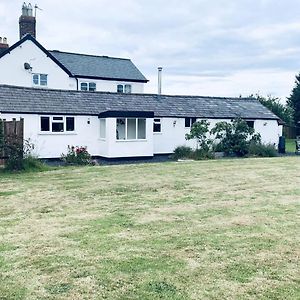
77	156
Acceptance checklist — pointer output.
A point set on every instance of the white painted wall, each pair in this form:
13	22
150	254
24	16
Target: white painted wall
13	72
131	148
173	133
52	145
111	86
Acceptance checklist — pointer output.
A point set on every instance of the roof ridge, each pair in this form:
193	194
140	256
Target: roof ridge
126	94
83	54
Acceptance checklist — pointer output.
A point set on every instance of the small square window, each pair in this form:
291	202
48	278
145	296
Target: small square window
120	88
92	86
57	127
35	79
45	124
83	86
157	125
70	124
43	79
127	88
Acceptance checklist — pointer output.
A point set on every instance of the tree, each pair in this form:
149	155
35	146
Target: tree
282	111
235	137
294	101
199	132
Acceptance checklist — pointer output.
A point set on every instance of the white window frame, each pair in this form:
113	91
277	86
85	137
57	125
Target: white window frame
124	88
88	83
159	123
191	119
136	130
39	80
104	126
51	121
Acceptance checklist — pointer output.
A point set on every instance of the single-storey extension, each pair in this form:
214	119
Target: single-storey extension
114	125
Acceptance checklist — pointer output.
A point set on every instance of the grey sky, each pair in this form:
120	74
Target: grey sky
221	48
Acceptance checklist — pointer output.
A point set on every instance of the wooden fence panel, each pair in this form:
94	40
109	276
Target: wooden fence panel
13	135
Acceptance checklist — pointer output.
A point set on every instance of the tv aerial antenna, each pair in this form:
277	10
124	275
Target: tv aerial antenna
35	9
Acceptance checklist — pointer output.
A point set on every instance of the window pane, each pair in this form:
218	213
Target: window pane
35	78
120	88
43	79
120	134
187	122
83	86
131	129
156	127
45	123
141	129
128	88
92	86
157	120
57	118
57	127
70	124
250	124
194	120
102	128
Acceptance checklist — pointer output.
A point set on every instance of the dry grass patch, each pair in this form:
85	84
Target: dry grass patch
226	229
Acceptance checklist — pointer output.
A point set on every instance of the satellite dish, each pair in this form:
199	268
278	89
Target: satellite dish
27	66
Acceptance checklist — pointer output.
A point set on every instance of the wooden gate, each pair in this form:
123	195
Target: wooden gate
11	135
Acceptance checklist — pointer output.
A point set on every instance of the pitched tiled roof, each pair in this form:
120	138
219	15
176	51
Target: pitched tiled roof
88	66
29	100
105	67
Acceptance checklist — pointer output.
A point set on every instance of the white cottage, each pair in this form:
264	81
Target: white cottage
28	63
114	125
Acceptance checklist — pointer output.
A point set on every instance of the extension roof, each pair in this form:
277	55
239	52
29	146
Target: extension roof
47	101
88	66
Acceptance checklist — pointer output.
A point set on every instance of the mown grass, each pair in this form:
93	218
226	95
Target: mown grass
290	145
224	229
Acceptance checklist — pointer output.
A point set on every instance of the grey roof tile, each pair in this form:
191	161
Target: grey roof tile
29	100
83	65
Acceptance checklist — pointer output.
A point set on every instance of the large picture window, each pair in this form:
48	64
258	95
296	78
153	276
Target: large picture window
57	124
131	129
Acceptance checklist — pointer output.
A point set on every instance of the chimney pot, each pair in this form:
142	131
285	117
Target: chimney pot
27	22
159	80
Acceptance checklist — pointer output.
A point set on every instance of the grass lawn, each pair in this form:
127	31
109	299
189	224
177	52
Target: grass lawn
222	229
290	145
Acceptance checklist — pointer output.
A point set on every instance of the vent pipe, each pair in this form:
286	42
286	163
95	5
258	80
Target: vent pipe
159	79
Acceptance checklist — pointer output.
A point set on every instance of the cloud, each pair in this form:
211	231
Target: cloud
221	47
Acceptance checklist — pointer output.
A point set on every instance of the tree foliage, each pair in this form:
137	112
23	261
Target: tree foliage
200	132
294	101
235	137
282	111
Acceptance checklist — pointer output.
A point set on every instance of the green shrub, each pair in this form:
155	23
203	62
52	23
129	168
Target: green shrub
200	154
262	150
77	156
21	159
234	138
182	152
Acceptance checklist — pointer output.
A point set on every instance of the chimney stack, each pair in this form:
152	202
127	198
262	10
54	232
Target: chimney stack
159	79
3	43
27	21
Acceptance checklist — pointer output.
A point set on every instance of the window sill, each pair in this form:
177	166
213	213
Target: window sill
57	133
157	133
102	140
130	141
